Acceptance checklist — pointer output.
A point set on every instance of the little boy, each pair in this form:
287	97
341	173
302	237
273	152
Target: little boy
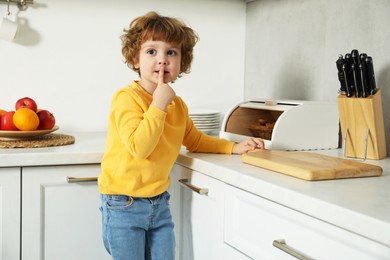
148	124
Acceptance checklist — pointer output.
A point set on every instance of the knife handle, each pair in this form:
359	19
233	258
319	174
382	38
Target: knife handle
346	77
348	62
339	64
355	57
364	74
363	57
348	58
356	80
371	74
363	80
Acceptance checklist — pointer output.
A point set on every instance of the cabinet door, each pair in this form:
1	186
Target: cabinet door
61	220
9	213
176	192
201	233
253	224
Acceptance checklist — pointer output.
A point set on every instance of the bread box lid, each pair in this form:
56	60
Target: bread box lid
297	125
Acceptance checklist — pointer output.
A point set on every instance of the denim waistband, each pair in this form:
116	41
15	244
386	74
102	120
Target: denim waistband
126	197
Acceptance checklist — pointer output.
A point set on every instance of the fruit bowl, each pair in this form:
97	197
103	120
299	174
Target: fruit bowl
15	135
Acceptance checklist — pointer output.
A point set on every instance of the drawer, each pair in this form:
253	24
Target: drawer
230	253
253	223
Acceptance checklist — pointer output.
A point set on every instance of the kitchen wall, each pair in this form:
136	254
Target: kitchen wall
292	47
67	56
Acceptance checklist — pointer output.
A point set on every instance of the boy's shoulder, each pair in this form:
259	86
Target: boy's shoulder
180	104
130	89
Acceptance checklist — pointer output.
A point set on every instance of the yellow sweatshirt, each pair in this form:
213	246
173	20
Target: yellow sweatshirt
143	143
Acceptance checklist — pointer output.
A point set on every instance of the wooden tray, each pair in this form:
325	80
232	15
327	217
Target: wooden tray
22	135
46	140
310	166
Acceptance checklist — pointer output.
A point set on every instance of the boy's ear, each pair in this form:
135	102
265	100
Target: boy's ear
136	63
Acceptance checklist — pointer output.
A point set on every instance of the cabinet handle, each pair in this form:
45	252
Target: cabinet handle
281	244
73	179
201	191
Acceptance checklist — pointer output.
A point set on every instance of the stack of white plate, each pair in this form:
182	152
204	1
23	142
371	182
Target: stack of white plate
206	120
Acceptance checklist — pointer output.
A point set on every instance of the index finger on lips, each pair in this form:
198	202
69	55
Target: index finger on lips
161	75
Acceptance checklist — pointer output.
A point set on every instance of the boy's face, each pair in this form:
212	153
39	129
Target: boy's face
153	55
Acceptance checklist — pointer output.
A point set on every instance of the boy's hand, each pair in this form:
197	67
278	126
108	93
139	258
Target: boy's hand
164	94
248	145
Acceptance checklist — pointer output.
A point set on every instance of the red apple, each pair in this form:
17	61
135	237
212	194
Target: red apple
7	124
46	120
27	103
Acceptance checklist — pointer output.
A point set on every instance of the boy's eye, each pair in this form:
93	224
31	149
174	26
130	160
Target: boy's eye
151	52
171	53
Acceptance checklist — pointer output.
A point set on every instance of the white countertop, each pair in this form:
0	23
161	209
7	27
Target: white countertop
88	148
360	205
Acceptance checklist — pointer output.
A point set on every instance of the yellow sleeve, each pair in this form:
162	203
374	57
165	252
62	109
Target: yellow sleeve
197	141
139	130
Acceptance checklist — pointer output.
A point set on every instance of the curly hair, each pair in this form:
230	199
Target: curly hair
152	26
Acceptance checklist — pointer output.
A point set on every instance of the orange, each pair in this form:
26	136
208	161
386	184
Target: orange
26	119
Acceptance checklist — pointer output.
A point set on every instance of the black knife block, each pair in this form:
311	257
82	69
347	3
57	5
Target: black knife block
362	126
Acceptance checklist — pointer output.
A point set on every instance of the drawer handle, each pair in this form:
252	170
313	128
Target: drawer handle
281	244
201	191
73	179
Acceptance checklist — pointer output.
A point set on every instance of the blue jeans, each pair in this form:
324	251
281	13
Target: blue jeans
138	228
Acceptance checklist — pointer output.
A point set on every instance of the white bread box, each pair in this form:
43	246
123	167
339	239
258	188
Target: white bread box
297	125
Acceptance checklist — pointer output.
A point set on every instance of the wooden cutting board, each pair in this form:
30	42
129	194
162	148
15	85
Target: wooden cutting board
310	166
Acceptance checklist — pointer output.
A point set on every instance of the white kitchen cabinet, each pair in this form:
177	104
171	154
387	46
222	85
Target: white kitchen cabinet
230	253
9	213
61	220
253	223
176	191
201	213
